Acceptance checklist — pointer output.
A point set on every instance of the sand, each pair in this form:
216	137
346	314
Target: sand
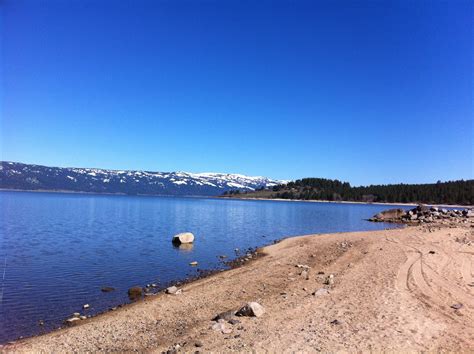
393	290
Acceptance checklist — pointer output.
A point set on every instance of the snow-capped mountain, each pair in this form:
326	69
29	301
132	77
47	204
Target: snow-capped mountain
14	175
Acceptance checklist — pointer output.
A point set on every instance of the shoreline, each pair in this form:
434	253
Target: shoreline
351	202
158	322
228	198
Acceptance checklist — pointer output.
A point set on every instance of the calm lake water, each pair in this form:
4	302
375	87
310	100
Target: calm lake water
58	250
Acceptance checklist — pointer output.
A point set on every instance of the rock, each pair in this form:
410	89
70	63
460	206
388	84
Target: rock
193	263
329	280
336	322
389	215
76	314
198	344
251	309
227	316
434	209
305	274
321	292
83	317
107	289
422	208
233	321
304	266
456	306
86	306
185	237
444	211
135	292
72	321
431	252
221	327
173	290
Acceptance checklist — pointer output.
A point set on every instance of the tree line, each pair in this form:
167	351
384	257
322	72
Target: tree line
451	192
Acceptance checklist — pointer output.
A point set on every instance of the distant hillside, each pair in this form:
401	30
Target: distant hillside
455	192
21	176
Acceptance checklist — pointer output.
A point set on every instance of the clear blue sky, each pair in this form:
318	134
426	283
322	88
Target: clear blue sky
362	91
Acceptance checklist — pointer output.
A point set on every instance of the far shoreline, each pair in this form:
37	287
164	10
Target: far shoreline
231	198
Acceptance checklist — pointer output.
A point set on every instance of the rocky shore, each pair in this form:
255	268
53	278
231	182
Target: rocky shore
408	289
424	214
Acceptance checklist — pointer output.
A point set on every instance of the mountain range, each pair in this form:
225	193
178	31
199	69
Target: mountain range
20	176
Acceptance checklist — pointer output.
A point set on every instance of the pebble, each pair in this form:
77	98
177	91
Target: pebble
86	306
321	292
193	263
173	290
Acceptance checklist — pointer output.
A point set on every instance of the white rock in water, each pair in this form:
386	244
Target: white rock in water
251	309
185	237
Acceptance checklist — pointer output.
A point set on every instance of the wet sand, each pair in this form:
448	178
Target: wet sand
393	290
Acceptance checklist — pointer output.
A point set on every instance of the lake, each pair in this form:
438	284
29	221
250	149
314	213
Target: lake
58	250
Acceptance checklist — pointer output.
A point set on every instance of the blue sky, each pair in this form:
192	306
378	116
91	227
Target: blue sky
363	91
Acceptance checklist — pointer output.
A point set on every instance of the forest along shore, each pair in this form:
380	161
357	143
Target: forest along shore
400	289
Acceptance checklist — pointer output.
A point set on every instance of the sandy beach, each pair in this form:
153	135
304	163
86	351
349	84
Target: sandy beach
396	290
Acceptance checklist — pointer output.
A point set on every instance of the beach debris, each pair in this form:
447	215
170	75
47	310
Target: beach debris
184	237
86	306
173	290
329	280
193	263
226	315
251	309
321	292
135	292
456	306
107	289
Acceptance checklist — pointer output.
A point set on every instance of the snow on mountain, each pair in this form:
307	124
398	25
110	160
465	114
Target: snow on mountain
21	176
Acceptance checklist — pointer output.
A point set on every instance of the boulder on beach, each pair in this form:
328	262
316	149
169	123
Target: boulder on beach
173	290
251	309
391	214
184	237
